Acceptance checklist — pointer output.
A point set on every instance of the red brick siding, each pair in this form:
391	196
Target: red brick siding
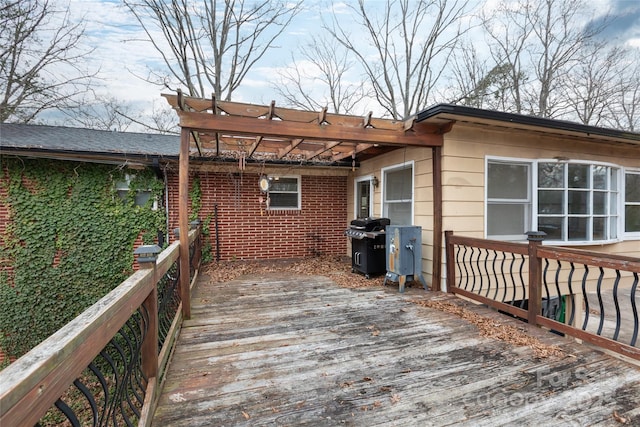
317	228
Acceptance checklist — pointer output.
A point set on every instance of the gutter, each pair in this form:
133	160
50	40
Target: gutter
541	122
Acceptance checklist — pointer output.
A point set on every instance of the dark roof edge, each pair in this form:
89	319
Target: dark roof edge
462	110
78	155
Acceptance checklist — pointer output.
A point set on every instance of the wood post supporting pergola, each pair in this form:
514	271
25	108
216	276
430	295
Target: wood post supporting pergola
183	219
436	274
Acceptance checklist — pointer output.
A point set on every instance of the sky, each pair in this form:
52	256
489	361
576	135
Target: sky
123	56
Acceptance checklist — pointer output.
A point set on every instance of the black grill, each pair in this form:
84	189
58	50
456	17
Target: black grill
368	255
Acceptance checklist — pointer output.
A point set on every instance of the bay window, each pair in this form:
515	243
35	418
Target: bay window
572	202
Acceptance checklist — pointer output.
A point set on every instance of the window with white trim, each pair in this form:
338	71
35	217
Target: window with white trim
573	201
632	203
508	199
363	197
284	192
397	201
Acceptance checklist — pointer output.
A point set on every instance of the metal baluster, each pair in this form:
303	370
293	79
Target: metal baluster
585	298
600	303
634	287
616	304
524	288
573	300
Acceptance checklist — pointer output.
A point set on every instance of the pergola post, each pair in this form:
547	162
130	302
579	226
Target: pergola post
183	223
436	282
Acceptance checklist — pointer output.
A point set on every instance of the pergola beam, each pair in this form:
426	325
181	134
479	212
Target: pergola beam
311	131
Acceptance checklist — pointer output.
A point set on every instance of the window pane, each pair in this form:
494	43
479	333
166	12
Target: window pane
283	200
142	197
552	226
550	202
578	202
632	187
578	228
398	213
613	227
506	219
508	181
613	203
398	184
632	218
599	203
599	228
578	176
284	184
600	177
550	175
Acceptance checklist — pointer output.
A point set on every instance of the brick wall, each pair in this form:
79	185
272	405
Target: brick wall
245	233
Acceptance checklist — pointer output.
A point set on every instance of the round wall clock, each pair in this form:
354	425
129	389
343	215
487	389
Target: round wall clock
263	183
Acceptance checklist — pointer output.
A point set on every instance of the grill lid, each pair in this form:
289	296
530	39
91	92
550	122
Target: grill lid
370	223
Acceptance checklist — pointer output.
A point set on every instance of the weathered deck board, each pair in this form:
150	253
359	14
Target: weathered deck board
287	351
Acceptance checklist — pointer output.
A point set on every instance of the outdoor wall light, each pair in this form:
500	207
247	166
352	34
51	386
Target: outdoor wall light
147	253
375	182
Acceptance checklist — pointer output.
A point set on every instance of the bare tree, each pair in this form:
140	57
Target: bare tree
561	33
478	84
593	86
102	113
410	43
624	108
210	46
321	79
40	60
508	30
541	41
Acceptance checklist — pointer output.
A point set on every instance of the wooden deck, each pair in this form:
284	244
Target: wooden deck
286	351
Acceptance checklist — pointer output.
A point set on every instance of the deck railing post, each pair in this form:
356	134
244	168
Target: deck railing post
150	343
450	263
147	256
535	239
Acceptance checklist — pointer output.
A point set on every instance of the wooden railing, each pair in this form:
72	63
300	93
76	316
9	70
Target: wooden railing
104	367
591	296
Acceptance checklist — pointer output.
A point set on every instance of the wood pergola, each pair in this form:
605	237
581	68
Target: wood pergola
217	130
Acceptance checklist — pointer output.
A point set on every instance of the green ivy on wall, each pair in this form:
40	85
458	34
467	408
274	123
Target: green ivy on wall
195	196
70	241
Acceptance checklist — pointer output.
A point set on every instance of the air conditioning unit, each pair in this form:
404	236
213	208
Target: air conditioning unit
404	255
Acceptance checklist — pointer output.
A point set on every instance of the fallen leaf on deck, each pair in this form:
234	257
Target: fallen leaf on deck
493	329
618	418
